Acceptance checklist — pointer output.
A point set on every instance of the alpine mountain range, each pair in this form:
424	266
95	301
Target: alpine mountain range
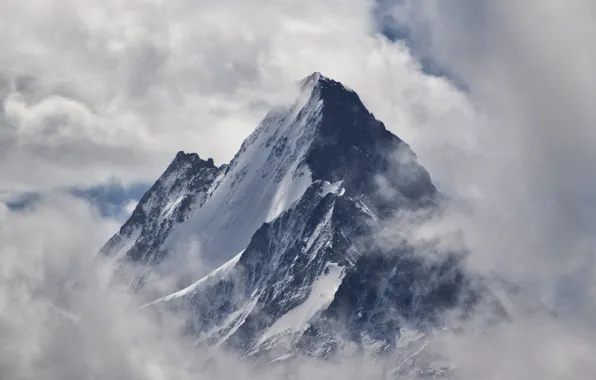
288	232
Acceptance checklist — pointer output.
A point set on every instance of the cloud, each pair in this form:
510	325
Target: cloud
520	170
524	159
108	88
96	89
64	315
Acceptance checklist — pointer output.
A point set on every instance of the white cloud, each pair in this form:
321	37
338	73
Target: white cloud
64	315
96	88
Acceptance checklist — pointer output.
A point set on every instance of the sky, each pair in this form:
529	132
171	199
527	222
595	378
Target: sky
495	97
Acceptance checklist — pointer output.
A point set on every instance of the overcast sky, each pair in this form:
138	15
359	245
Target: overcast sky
100	89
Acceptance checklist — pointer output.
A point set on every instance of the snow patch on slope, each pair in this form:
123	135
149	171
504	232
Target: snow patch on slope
217	275
212	278
289	191
320	297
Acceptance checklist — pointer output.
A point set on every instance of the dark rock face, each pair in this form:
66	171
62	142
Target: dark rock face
312	279
383	293
186	180
354	147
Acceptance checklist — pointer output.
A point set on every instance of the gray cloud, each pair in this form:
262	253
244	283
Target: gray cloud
523	167
528	166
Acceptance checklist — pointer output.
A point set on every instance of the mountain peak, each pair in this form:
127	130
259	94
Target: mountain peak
314	78
317	80
318	76
283	234
327	135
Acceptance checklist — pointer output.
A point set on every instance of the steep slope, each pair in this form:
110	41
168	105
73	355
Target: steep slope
302	202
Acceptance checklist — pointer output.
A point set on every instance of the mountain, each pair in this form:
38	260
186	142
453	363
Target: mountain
288	230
